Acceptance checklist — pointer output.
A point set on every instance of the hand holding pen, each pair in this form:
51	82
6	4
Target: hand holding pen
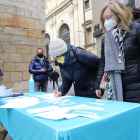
57	93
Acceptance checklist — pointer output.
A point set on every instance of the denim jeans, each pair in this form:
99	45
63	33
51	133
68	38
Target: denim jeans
41	86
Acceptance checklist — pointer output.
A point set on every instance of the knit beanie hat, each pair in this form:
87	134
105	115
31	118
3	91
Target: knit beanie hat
57	47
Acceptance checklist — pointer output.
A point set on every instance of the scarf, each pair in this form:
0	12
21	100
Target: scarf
68	54
115	62
40	60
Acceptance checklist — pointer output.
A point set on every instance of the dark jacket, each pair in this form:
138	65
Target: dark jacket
80	69
54	76
35	69
1	74
131	76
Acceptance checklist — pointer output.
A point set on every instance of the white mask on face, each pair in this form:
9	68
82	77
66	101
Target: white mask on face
110	24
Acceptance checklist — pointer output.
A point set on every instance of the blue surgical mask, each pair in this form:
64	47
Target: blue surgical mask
110	24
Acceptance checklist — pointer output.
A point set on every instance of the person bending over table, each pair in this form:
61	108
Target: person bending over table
77	66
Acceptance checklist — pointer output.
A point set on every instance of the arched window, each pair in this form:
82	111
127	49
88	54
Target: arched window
47	39
64	33
47	43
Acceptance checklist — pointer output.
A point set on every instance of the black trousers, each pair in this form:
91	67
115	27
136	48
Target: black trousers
55	81
87	91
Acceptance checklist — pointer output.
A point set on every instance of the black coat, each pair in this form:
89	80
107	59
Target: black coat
1	74
54	76
131	76
80	69
35	69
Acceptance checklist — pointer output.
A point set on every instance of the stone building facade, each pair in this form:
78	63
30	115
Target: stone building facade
64	19
22	31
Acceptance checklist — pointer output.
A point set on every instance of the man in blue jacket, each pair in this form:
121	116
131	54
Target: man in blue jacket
40	67
77	66
1	76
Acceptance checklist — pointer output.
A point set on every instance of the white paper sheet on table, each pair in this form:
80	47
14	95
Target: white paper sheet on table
21	102
60	113
51	96
43	109
66	96
46	96
96	103
7	98
57	114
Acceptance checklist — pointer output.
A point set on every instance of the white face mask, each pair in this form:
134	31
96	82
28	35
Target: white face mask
110	24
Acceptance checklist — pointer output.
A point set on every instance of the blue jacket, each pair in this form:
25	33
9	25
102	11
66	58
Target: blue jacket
1	74
80	68
35	69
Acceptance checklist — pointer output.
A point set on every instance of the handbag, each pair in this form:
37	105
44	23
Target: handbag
104	84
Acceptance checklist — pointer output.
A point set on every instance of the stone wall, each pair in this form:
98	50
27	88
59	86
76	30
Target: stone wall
22	31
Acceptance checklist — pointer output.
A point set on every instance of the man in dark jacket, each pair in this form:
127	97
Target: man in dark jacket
1	76
77	66
40	67
54	76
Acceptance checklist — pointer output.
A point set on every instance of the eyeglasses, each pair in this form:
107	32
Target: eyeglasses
108	17
59	57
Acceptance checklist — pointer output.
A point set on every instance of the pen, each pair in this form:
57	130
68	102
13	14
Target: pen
13	95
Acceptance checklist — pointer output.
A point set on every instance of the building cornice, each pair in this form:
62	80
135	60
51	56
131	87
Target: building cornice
87	23
58	9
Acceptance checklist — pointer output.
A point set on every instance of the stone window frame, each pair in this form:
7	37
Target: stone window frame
87	4
66	38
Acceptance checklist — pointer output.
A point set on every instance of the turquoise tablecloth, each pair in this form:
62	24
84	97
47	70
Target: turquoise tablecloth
121	122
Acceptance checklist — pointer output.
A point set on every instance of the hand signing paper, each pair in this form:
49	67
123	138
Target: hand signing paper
57	94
